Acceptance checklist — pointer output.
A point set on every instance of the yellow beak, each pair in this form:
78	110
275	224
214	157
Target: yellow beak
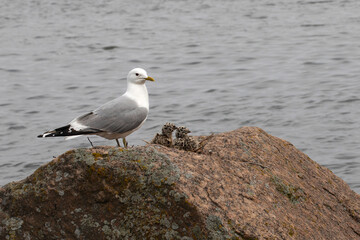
150	79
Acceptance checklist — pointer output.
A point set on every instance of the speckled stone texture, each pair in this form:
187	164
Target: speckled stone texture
245	184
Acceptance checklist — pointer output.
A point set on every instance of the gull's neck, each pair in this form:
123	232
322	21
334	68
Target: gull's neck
138	93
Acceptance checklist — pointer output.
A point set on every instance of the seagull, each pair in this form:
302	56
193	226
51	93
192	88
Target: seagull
115	119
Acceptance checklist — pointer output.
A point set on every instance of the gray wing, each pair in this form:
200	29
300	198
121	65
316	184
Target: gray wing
117	116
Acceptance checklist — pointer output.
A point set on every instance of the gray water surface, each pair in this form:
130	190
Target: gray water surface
289	67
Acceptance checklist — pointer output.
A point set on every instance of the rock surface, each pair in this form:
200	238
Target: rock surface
245	184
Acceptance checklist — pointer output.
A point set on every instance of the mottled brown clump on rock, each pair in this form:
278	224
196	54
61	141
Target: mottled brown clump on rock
246	184
165	137
184	141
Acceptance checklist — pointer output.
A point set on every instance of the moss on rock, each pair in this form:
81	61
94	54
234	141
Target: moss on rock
125	194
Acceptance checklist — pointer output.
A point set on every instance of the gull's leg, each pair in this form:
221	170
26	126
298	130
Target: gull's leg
125	143
90	142
117	141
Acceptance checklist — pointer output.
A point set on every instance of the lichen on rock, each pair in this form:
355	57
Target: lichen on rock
129	188
245	184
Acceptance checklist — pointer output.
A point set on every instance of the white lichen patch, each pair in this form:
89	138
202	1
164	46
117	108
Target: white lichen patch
78	210
58	176
106	229
88	221
26	236
48	226
188	175
165	222
77	233
81	155
174	226
13	224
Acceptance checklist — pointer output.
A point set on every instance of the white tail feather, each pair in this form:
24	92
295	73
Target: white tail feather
71	137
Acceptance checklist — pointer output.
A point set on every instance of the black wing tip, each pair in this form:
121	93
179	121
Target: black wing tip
46	134
66	132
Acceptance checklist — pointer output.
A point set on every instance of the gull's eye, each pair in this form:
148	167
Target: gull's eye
137	74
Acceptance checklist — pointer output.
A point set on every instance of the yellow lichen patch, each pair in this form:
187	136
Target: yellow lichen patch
101	171
110	189
97	156
293	193
92	169
67	152
290	228
144	168
330	181
37	172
